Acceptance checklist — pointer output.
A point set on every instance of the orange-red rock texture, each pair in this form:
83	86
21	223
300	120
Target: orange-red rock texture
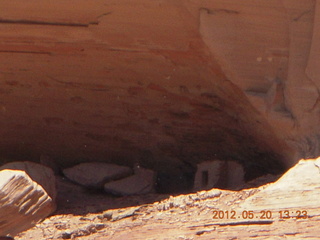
160	82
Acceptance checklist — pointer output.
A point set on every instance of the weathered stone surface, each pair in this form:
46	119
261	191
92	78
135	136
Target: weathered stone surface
218	174
96	174
116	81
41	174
141	182
312	70
208	174
297	189
214	214
116	215
23	202
270	50
196	80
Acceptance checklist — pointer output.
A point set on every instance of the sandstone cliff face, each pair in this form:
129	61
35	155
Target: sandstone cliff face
271	51
167	84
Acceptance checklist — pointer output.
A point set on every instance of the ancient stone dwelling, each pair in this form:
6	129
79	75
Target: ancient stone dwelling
218	174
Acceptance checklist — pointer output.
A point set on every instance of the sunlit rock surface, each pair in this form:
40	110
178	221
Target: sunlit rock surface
40	174
23	202
298	188
148	81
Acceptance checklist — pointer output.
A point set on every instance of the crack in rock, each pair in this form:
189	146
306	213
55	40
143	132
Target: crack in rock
49	23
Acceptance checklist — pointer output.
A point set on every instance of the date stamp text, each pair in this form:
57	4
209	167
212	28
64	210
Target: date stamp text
263	215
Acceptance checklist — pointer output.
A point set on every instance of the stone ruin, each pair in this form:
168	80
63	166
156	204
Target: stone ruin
218	174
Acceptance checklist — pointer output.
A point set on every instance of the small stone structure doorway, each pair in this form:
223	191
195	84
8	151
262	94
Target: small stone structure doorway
218	174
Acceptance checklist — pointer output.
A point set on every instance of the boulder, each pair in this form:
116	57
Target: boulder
39	173
96	174
23	202
142	182
298	188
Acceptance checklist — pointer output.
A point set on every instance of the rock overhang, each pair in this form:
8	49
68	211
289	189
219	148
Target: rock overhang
125	83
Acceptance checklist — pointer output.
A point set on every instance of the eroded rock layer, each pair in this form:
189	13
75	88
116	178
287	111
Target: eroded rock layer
23	202
167	84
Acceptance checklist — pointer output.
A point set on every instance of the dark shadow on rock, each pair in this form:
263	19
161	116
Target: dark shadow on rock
77	200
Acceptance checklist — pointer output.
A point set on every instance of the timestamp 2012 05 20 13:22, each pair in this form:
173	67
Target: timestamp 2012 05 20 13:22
263	215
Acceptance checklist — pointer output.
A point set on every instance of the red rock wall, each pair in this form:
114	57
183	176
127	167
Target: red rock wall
123	82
